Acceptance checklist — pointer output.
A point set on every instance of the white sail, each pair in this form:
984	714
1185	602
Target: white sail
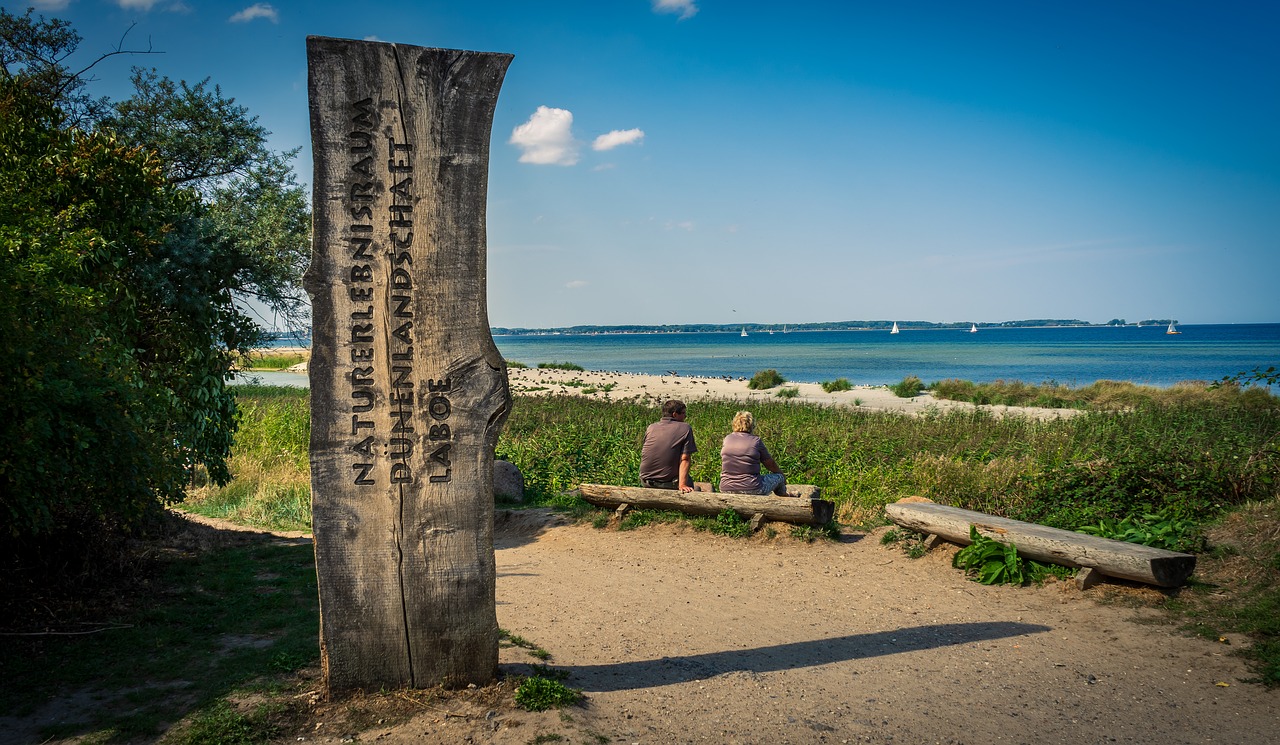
744	330
973	328
894	330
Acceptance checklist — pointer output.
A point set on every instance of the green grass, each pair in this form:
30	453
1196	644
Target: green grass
765	379
787	392
837	385
908	387
270	461
273	360
213	624
560	366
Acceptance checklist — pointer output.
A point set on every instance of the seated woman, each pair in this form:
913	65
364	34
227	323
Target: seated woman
741	456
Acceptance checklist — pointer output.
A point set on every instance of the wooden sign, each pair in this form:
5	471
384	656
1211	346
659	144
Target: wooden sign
408	390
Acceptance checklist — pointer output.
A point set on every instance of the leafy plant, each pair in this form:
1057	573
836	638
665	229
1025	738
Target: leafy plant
1160	529
765	379
787	392
731	524
908	387
537	693
837	385
990	562
515	365
560	366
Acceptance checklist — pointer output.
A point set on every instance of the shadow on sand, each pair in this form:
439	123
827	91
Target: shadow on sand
622	676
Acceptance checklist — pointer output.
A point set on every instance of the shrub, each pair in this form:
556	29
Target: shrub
788	392
837	385
765	379
908	387
560	366
515	365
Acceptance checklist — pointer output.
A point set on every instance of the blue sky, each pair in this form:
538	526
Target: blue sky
723	161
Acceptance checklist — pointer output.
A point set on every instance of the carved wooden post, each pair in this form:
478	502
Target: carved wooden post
408	390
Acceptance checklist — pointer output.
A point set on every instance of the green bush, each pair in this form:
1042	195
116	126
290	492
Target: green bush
514	365
765	379
908	387
787	392
837	385
560	366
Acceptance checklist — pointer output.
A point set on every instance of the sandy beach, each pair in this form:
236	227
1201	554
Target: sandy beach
654	389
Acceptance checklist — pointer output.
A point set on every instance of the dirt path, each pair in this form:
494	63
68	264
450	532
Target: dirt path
677	637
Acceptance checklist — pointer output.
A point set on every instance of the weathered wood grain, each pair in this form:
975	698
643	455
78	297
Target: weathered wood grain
803	508
1113	558
408	390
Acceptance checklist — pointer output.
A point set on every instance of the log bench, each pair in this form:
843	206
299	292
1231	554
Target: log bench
802	506
1094	556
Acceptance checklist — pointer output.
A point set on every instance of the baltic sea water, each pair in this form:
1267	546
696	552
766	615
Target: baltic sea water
1069	355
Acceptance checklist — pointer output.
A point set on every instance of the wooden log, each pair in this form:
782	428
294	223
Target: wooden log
408	390
802	511
1152	566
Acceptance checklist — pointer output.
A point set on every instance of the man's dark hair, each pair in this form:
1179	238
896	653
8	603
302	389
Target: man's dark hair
673	407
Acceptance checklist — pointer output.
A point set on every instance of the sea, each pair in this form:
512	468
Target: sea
1069	355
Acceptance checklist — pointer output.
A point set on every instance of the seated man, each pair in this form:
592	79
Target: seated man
668	450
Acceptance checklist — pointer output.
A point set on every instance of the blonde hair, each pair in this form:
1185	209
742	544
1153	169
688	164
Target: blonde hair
743	422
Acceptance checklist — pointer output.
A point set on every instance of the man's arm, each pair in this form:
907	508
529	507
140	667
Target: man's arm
685	463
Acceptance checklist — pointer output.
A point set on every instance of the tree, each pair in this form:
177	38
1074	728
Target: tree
88	432
128	234
37	50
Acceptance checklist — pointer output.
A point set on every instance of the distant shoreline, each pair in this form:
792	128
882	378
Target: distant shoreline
786	328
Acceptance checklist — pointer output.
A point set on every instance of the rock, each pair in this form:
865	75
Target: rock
508	482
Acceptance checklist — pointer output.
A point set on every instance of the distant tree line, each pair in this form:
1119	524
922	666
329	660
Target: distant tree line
131	232
778	328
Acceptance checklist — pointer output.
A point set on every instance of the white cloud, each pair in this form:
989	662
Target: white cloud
686	8
575	284
256	11
687	225
610	140
136	4
605	167
547	138
49	4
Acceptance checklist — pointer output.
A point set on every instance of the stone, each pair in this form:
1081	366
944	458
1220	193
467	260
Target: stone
508	482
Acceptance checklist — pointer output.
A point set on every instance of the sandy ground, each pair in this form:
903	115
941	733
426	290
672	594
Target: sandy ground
616	386
682	637
619	386
676	636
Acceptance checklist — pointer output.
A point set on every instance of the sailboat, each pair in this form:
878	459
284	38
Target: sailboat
894	330
973	328
1172	329
744	330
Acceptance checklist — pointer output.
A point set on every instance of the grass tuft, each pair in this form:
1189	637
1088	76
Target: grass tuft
765	379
